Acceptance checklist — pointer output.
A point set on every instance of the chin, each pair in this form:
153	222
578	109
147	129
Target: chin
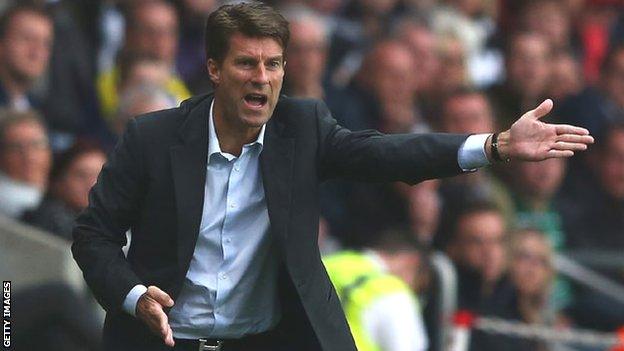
255	121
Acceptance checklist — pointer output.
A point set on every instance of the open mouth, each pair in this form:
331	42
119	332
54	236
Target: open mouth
256	100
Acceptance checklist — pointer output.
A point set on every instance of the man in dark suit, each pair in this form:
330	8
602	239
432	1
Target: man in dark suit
240	258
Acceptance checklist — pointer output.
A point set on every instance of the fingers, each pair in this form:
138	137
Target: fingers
562	145
159	323
168	338
160	296
543	109
150	310
162	328
575	138
568	129
559	153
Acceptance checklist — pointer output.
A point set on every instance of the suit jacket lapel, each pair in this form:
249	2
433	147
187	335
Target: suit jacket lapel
277	162
188	162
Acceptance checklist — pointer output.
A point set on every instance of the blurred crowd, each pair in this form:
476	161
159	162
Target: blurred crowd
72	73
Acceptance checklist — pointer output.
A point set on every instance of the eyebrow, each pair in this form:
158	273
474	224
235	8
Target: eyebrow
277	57
254	58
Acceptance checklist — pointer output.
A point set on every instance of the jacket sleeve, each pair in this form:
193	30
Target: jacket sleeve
99	233
375	157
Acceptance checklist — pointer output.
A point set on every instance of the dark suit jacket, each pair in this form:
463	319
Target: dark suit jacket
153	185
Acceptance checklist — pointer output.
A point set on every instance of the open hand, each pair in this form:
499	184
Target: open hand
530	139
149	309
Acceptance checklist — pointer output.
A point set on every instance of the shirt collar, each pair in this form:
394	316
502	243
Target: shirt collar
213	141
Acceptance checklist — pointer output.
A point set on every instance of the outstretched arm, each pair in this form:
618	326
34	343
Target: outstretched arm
530	139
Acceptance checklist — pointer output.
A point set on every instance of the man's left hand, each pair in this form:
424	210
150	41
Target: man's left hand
530	139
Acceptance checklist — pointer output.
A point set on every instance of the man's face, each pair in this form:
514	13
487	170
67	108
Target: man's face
565	78
467	114
540	179
530	266
422	43
25	155
155	32
25	48
248	81
549	19
307	53
392	72
80	177
528	65
480	244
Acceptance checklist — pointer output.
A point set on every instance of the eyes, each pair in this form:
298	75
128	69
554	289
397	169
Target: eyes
250	63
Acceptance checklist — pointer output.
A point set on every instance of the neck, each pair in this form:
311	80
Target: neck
231	136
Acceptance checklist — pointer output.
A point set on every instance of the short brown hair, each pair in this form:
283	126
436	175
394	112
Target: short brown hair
253	19
11	117
25	7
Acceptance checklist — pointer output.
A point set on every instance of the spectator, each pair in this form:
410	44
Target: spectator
419	38
307	54
74	173
594	219
383	93
453	73
527	64
531	275
566	78
478	251
137	70
468	111
140	99
534	189
593	214
551	19
381	96
375	289
25	42
25	160
423	209
151	29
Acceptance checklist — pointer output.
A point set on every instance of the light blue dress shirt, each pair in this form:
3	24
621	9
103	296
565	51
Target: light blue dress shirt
230	288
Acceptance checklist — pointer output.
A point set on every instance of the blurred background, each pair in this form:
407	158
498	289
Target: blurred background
538	243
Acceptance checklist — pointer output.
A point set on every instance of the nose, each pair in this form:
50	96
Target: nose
260	76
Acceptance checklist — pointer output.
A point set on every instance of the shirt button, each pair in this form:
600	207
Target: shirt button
232	205
223	276
237	168
228	240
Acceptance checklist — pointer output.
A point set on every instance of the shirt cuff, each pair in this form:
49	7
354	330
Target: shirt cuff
129	304
471	154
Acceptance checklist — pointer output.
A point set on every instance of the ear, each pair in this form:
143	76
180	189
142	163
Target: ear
214	72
